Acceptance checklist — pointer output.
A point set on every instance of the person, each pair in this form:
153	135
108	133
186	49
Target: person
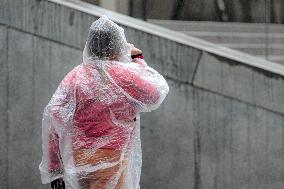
91	126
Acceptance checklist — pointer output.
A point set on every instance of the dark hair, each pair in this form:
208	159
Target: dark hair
104	43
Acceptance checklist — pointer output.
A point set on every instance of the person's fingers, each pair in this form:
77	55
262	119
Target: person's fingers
136	51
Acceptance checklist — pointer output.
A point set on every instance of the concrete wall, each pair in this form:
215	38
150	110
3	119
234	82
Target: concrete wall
33	68
221	125
3	106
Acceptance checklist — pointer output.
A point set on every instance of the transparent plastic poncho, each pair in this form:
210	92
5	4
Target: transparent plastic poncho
91	126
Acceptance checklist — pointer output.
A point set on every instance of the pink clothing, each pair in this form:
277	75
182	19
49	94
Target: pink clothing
92	119
92	122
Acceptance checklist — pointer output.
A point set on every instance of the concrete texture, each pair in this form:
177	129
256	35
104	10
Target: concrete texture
179	25
239	144
3	105
21	138
247	84
211	141
170	58
221	125
255	39
167	136
66	21
35	68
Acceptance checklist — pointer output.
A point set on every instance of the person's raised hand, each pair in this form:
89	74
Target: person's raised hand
134	50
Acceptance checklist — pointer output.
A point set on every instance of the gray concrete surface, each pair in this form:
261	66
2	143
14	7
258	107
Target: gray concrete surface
229	78
211	141
221	125
36	66
255	39
3	106
180	25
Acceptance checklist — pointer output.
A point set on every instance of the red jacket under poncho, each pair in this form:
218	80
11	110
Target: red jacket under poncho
92	119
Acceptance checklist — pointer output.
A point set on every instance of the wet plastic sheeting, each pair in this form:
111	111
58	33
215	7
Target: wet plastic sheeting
91	126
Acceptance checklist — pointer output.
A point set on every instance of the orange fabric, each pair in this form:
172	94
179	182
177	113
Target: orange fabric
99	179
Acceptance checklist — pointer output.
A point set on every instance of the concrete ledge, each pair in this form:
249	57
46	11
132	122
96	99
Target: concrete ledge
179	25
237	39
69	26
239	81
234	34
178	37
70	29
272	51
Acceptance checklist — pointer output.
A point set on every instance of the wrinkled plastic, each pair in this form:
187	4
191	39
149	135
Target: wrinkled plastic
90	127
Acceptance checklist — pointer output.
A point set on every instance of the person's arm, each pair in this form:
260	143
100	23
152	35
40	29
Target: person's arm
142	83
55	161
58	112
51	166
134	84
55	119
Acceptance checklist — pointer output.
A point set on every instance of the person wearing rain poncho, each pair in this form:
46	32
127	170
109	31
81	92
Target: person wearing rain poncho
90	127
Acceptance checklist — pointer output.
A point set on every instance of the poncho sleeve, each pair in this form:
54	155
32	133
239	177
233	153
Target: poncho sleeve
144	85
57	117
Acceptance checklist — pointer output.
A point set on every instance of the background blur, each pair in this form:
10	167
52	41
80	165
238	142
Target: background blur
252	11
225	22
220	127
